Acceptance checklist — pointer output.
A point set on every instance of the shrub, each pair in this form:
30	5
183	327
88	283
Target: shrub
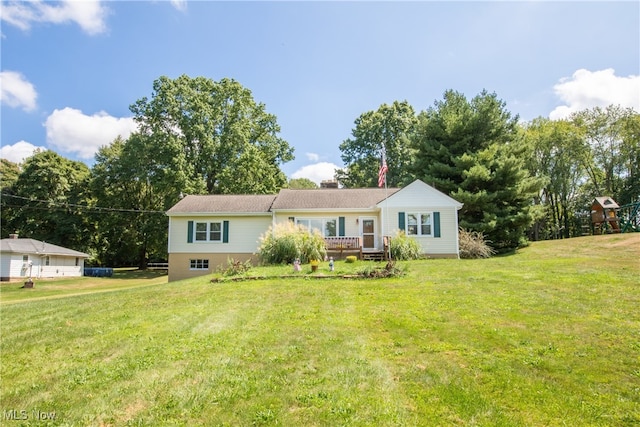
374	272
404	247
313	246
235	268
286	242
278	244
351	259
473	245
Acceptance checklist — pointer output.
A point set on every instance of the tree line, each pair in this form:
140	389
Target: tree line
518	181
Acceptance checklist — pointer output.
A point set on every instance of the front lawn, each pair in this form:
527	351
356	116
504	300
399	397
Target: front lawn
549	336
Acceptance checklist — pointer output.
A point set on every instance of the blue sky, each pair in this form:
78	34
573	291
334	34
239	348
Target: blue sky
70	70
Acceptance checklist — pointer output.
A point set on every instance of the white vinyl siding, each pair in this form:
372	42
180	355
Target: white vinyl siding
60	266
446	244
418	197
244	233
15	266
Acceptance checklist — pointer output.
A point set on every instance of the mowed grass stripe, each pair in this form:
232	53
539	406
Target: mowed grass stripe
549	336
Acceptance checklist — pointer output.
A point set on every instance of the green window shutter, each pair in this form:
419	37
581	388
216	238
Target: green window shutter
341	226
225	232
190	232
436	224
401	224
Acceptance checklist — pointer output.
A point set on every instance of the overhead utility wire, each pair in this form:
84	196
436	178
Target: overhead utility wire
96	208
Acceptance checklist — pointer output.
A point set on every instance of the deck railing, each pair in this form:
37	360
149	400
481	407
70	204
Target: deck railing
342	244
353	244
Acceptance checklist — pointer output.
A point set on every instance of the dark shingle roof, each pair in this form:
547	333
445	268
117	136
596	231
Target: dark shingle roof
223	203
342	198
32	246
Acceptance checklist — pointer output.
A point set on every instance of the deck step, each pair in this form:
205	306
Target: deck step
373	256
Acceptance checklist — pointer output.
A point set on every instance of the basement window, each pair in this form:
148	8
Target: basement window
198	264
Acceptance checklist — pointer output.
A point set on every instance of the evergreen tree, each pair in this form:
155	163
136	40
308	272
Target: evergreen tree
472	151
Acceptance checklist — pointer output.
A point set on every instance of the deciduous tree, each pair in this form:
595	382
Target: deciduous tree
630	150
557	154
611	141
301	183
134	187
386	129
214	128
47	201
9	173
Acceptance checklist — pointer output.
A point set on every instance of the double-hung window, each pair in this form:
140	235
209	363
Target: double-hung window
208	232
326	226
419	224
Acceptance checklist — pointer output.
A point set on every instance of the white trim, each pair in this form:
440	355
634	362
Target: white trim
208	232
215	214
371	210
202	260
419	223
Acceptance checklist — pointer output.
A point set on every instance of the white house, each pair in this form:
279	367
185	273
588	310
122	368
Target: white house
24	258
207	230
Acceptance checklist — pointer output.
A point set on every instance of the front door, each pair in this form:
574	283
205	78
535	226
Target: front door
368	233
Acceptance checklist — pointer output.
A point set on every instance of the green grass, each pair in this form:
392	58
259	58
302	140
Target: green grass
549	336
123	278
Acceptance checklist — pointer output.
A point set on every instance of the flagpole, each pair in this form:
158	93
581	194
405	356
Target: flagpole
385	212
386	206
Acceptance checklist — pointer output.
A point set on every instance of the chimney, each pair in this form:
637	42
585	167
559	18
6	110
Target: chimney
329	183
13	236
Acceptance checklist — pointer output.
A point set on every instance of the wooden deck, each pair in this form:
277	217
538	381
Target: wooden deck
340	247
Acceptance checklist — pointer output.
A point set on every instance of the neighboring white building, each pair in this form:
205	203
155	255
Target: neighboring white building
24	258
206	230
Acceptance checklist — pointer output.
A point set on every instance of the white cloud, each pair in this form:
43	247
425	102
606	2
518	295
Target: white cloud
17	91
88	14
71	131
181	5
587	89
317	172
19	151
312	157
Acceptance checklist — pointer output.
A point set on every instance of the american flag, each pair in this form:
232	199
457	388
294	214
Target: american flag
382	173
